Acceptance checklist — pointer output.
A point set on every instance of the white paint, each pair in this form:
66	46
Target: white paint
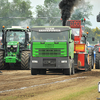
99	87
22	88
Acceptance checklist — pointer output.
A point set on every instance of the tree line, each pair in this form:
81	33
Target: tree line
43	15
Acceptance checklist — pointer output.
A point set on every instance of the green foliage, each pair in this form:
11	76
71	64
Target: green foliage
17	8
47	2
80	13
49	9
93	33
96	32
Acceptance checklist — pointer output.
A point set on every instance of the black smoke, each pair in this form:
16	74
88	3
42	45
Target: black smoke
66	7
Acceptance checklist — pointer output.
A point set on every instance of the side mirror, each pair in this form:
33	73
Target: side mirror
93	39
72	36
3	38
27	37
2	31
98	18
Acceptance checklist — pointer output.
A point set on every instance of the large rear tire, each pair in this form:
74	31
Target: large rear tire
97	60
1	60
25	60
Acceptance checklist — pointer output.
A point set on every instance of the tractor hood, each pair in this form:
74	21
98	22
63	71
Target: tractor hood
12	43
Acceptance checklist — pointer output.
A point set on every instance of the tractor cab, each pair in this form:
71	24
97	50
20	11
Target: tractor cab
15	35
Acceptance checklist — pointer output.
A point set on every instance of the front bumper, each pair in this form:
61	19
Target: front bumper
10	59
49	62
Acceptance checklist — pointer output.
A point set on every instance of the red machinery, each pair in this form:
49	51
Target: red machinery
80	54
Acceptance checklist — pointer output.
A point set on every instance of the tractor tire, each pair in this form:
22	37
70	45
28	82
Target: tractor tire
33	71
97	60
1	60
25	60
92	62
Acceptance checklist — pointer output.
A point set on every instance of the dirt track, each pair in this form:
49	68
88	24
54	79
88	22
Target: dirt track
21	84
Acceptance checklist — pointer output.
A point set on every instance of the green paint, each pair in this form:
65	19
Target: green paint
12	56
49	49
53	48
10	59
12	43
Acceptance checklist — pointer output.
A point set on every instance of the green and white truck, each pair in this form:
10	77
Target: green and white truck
52	48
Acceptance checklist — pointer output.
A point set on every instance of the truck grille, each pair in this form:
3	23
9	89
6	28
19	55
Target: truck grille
50	51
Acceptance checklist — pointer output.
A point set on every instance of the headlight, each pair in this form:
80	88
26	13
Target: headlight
64	61
15	46
34	61
8	46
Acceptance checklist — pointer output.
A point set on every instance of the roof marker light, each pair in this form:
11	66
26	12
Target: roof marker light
3	26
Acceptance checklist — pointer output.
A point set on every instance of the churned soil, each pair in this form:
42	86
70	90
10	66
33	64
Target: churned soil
20	84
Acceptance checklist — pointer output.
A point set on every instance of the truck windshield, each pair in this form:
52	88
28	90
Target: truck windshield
76	31
83	40
37	36
15	36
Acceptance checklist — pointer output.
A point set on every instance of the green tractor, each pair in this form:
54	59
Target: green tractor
15	48
52	49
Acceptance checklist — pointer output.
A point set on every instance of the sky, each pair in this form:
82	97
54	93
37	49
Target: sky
95	12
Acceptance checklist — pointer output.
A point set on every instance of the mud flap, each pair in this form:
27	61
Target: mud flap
86	63
75	59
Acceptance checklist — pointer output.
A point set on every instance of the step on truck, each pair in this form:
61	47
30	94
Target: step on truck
52	48
15	48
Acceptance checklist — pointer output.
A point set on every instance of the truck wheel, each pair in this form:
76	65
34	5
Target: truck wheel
33	71
1	60
73	70
25	60
97	60
67	71
42	71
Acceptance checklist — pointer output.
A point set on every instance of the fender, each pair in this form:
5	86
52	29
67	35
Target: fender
98	49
